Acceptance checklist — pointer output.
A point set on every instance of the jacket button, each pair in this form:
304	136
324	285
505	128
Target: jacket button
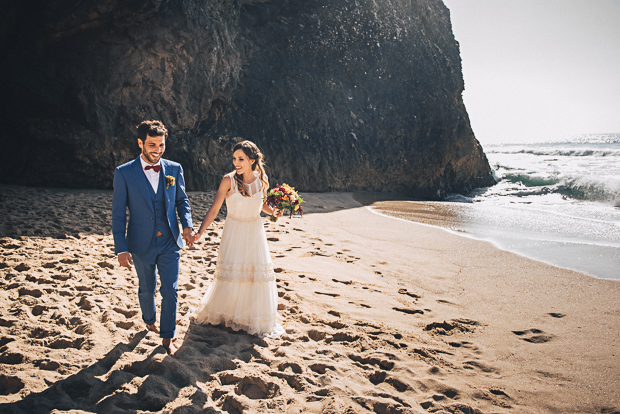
152	218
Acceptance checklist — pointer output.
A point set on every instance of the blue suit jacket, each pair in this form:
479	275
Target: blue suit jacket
131	191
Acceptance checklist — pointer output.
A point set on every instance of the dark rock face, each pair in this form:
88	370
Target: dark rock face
339	95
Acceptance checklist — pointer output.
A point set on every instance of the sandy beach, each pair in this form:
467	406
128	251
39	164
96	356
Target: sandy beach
381	316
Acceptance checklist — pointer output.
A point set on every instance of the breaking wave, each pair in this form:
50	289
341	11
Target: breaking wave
561	152
589	188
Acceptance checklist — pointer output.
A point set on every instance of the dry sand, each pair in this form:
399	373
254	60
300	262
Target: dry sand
382	316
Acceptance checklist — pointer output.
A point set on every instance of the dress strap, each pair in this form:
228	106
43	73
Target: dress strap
233	182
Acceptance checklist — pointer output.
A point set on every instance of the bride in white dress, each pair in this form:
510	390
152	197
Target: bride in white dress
243	294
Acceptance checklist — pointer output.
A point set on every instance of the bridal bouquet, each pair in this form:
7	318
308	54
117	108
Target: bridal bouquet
285	198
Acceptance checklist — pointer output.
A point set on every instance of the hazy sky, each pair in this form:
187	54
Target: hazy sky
539	70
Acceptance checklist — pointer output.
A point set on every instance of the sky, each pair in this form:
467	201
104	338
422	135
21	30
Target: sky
539	70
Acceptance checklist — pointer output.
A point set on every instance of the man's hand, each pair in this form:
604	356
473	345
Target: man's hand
125	260
188	236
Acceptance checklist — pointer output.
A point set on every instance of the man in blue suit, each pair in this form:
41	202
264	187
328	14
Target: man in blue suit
153	189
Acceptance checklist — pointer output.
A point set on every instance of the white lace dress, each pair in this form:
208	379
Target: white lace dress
243	294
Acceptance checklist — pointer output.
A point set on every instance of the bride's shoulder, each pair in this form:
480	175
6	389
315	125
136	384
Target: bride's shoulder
227	182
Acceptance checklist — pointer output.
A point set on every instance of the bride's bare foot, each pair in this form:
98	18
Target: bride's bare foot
169	346
152	328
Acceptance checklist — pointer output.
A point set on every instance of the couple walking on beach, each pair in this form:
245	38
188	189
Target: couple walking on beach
243	293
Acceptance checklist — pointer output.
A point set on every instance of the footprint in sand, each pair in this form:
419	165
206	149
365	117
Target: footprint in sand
105	265
363	305
397	384
377	377
463	344
86	303
451	327
320	368
11	358
128	313
124	324
30	292
10	384
344	282
535	336
291	367
40	280
334	295
556	315
62	276
383	364
49	365
334	324
252	386
317	335
64	343
479	365
410	294
22	267
5	340
498	391
409	311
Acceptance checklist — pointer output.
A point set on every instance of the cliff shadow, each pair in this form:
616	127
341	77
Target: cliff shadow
77	213
58	213
54	213
316	203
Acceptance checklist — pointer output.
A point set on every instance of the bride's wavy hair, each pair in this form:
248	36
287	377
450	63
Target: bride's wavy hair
258	164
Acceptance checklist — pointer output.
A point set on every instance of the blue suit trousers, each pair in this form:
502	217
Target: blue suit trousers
161	257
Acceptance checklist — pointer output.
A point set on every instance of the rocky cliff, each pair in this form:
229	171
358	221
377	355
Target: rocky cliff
339	95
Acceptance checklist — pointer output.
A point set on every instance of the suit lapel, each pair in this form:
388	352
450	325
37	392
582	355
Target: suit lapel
141	181
163	182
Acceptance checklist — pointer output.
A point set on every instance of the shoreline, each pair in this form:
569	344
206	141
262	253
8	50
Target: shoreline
493	243
380	317
599	260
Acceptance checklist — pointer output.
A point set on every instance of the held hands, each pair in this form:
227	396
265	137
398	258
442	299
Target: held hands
124	259
189	236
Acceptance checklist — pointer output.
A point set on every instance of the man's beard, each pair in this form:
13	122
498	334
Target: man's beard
149	158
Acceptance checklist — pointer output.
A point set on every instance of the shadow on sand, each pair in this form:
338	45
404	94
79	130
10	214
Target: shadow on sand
130	378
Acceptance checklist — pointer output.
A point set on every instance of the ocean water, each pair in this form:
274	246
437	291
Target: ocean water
557	202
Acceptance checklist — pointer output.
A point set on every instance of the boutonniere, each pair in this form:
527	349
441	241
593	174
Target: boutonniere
169	181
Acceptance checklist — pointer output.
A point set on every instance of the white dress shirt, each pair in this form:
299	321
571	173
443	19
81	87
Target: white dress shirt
151	175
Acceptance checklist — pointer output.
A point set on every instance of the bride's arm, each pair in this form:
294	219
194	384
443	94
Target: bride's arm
215	207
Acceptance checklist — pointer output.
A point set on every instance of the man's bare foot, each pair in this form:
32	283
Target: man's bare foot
169	346
152	328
